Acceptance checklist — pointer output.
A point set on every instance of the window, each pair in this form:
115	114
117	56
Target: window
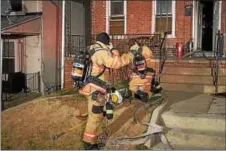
117	17
164	16
16	5
8	59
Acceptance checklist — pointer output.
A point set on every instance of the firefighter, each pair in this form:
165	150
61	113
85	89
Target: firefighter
104	57
140	83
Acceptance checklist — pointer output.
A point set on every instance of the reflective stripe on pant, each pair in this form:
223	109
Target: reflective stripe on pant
94	120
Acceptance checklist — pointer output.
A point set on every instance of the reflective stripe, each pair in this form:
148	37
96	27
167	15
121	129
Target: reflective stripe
158	87
109	111
142	84
135	76
90	135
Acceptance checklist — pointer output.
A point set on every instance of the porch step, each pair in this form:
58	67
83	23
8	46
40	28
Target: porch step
182	139
199	88
197	122
191	71
191	79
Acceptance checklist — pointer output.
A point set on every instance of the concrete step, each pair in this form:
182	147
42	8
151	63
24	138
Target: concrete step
191	71
198	88
190	140
198	122
191	79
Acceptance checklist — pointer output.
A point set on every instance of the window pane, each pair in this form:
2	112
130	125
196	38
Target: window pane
16	5
164	24
117	27
8	49
117	7
8	65
163	7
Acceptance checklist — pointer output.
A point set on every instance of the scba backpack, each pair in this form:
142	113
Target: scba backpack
82	67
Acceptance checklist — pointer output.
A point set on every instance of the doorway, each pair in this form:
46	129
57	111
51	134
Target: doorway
207	25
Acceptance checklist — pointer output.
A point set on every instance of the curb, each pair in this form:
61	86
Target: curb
155	120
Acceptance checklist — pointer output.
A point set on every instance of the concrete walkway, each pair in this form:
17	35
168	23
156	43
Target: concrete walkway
194	121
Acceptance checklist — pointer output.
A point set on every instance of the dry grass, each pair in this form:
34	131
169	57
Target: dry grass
28	127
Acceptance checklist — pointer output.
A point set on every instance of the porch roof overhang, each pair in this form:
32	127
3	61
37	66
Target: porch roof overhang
28	24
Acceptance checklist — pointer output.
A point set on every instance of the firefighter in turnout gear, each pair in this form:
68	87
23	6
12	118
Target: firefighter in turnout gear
143	82
104	57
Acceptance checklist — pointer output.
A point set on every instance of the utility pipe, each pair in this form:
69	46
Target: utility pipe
2	103
63	44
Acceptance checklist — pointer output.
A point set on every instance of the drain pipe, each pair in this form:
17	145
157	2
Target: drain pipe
63	43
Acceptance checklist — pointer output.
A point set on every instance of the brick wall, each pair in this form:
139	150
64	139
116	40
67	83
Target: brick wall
223	22
98	11
139	17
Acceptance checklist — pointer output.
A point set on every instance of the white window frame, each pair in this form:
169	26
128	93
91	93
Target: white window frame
16	55
172	35
108	13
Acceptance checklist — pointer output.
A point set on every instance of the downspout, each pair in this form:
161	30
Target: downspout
62	46
2	105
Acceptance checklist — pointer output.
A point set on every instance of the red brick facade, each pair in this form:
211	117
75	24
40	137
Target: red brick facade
139	21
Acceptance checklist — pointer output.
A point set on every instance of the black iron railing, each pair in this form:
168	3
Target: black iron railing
156	42
12	89
121	42
218	53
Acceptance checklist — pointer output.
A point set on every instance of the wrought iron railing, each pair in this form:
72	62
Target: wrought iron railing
156	42
218	53
32	85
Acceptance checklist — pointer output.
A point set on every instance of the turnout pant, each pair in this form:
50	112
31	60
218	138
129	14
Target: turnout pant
95	119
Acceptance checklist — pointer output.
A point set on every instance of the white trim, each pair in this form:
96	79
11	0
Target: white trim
16	56
173	35
220	12
108	13
107	16
125	16
193	20
62	44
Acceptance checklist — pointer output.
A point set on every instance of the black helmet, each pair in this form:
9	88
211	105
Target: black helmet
104	38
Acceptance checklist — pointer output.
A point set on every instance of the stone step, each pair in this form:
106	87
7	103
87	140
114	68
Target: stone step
191	71
211	123
198	88
190	140
188	79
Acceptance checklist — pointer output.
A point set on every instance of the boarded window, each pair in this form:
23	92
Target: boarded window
117	17
8	59
163	16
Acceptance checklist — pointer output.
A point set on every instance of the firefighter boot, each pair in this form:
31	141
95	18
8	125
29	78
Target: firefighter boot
89	146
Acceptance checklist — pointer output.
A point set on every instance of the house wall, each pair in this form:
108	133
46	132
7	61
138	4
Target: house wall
51	43
139	17
98	11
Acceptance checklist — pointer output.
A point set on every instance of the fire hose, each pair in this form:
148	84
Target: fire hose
143	138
